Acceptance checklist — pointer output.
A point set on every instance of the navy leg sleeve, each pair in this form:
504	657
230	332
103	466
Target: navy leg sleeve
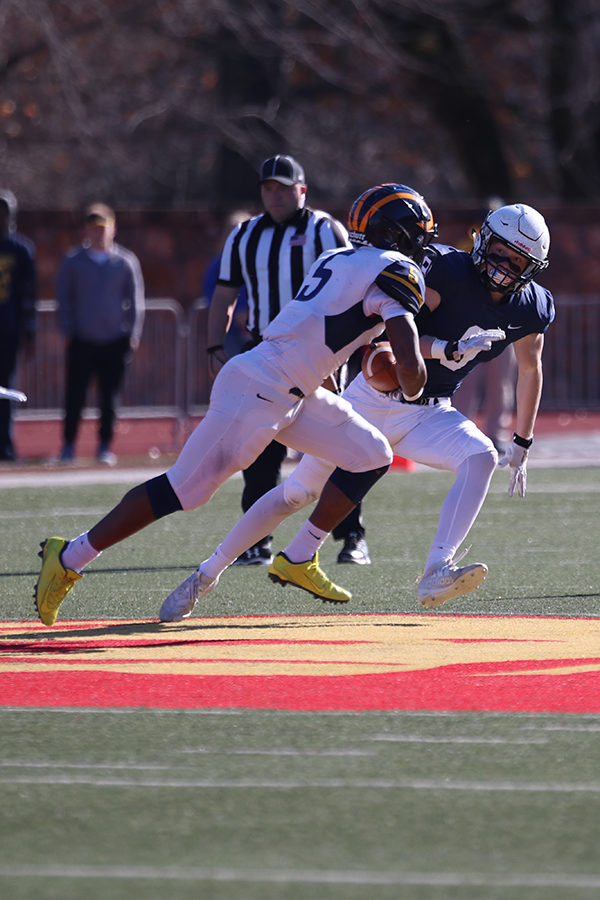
163	498
356	484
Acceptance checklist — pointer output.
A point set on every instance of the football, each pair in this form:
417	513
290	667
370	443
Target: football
379	367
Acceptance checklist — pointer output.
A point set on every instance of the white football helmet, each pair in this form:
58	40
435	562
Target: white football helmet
523	230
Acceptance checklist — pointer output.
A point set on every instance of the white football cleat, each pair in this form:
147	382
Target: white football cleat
449	581
181	602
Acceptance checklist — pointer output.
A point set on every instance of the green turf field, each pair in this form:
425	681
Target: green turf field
541	551
108	803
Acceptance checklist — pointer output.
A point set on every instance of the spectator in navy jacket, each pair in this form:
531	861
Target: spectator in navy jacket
18	293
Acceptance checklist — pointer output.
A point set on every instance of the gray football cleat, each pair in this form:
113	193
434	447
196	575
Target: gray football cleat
448	582
180	603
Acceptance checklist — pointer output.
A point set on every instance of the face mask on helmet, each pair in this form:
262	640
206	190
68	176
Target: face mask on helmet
392	217
522	230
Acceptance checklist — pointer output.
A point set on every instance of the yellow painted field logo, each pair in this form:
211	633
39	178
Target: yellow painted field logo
420	661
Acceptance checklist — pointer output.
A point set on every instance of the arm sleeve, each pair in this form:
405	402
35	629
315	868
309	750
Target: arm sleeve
403	282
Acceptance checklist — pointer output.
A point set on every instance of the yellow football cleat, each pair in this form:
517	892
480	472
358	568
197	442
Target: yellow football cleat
308	576
54	582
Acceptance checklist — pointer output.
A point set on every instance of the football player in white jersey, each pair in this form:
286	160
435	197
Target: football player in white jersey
476	304
274	391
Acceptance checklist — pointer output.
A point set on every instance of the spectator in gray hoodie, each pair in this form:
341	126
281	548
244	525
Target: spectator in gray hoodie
100	293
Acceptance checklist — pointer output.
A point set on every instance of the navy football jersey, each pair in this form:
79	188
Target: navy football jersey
466	307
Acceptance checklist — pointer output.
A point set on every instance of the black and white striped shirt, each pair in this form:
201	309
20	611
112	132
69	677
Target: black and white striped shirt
273	259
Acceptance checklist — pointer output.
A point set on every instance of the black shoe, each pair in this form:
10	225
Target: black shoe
68	454
258	555
355	550
7	453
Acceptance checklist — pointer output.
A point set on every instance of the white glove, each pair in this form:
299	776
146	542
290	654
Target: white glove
466	348
9	394
471	346
516	458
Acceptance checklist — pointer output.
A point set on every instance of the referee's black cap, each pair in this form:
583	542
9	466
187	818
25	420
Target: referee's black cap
284	169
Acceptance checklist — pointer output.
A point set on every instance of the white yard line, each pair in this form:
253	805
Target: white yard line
552	451
56	513
26	764
73	477
589	728
556	787
458	739
523	719
307	753
303	876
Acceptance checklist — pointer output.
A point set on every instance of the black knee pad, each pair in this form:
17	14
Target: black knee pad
163	498
356	484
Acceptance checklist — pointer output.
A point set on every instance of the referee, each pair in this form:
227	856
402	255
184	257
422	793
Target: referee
270	254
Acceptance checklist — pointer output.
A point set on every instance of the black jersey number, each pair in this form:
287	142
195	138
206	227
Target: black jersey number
323	274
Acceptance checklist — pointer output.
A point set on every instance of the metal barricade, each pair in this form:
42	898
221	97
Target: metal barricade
198	383
168	374
154	382
571	355
41	376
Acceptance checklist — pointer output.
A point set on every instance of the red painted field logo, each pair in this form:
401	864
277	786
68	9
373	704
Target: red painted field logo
335	662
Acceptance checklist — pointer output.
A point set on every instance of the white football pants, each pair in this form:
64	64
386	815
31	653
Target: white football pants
251	405
437	435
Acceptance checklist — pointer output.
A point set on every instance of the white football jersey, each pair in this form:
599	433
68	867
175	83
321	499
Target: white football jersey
338	309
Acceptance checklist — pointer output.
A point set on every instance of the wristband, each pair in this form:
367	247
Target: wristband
438	349
214	348
525	443
451	349
443	349
415	397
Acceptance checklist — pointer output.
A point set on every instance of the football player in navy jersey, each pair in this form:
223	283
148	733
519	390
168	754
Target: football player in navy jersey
274	391
475	305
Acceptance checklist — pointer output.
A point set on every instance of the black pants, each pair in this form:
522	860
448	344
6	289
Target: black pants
8	363
107	362
263	475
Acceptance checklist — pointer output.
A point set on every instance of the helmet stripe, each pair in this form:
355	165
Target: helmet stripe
355	219
405	195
